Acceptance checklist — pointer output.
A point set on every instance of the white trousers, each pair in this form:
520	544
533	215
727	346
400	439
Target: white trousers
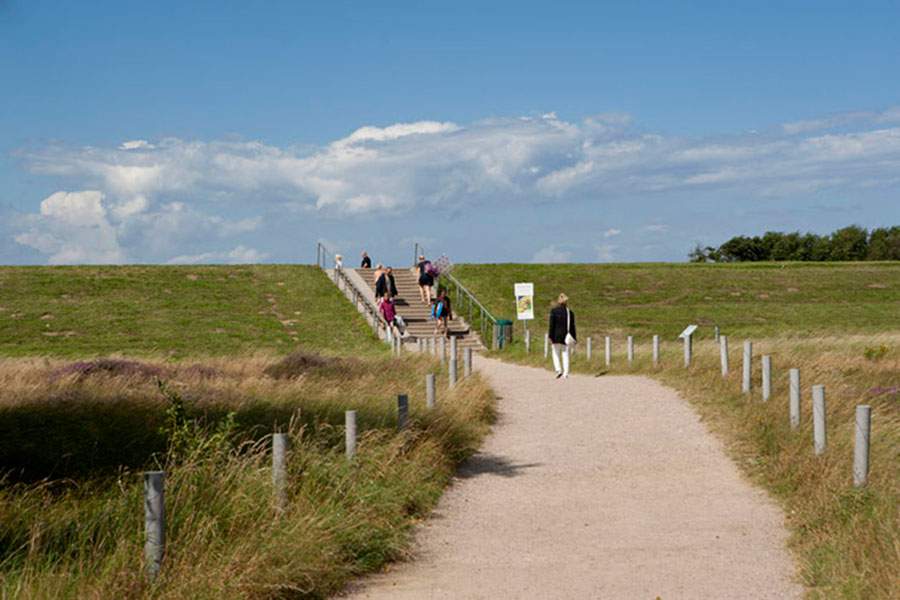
557	348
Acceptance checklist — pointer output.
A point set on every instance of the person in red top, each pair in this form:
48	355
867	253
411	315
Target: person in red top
389	312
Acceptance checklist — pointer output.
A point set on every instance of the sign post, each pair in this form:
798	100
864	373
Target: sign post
686	336
524	293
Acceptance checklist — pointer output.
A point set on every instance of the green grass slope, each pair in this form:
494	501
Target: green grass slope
176	311
744	299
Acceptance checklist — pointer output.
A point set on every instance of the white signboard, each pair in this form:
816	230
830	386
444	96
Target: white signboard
524	301
688	332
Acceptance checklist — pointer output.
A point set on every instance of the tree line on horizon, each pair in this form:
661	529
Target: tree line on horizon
849	243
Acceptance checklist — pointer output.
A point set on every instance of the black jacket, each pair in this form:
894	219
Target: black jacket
384	285
366	263
557	330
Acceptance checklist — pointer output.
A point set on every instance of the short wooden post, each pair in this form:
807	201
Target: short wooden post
766	377
402	411
716	333
432	346
861	447
546	345
495	342
443	349
419	344
655	350
794	375
687	350
154	521
350	433
629	349
467	362
453	350
819	432
607	347
527	342
451	372
587	352
723	354
747	367
279	469
429	390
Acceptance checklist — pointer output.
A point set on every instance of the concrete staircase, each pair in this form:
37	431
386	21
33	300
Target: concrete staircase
416	314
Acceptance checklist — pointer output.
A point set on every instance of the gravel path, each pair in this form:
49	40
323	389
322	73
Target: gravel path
594	487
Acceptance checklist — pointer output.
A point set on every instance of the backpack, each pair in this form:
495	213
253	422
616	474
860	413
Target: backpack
430	269
436	309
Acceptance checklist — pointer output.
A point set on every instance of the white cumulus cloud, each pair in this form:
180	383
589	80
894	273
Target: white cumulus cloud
164	198
236	256
551	254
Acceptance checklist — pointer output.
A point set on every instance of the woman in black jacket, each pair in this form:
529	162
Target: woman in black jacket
561	334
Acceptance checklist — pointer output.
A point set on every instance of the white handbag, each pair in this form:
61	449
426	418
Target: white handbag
570	340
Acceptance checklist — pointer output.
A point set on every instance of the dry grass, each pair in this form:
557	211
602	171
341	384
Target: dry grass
846	541
81	537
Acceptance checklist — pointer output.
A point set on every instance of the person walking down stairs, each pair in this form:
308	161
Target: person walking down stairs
562	335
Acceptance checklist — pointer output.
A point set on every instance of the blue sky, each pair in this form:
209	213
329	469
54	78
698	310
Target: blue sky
235	132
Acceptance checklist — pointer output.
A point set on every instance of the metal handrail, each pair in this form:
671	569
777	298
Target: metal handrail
486	318
378	322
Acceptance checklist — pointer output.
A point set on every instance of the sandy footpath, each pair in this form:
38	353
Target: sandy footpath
594	487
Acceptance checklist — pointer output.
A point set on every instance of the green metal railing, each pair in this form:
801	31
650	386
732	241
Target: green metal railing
478	317
359	299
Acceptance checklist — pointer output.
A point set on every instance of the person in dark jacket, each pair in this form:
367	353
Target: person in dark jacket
391	284
426	279
385	284
366	261
446	313
562	334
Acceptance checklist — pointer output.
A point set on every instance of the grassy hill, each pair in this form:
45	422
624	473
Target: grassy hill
176	311
743	299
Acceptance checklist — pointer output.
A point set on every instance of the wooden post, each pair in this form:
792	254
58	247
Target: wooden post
429	390
766	377
467	362
723	354
154	521
819	431
350	433
419	345
687	350
402	411
443	349
495	342
587	353
608	349
451	372
795	398
629	349
747	367
655	350
279	469
453	351
432	345
861	447
716	333
546	345
527	342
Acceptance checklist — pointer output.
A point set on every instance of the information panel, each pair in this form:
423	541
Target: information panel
524	301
